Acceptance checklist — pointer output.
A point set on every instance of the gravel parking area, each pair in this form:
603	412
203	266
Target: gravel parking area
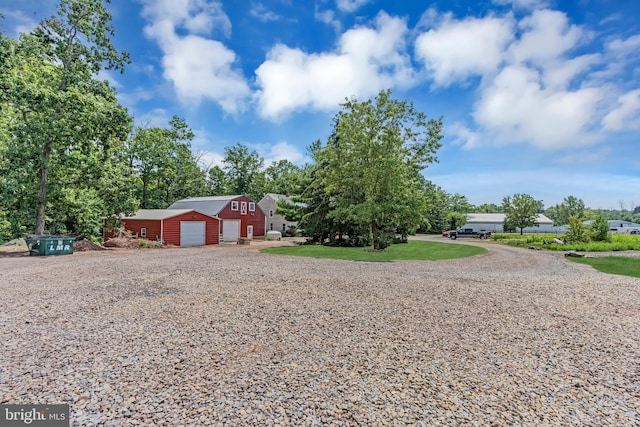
229	336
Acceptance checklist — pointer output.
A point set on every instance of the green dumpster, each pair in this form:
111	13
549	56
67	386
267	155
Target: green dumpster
50	245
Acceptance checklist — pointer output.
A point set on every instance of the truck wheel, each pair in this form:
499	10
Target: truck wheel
453	237
482	237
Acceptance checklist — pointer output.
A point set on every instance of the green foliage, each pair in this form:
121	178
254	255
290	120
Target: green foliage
576	233
370	167
600	230
6	233
243	169
456	220
166	167
619	242
283	177
570	206
613	265
413	250
50	93
521	210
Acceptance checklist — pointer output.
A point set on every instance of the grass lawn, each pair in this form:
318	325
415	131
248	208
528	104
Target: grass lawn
613	265
414	250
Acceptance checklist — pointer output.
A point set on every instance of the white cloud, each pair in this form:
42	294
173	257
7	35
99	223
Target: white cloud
456	50
523	4
626	116
259	11
546	37
328	17
280	151
21	22
158	117
208	159
366	61
516	108
582	157
199	67
630	45
464	136
529	91
350	5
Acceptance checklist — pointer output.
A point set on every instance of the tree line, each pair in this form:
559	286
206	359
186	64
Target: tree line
70	154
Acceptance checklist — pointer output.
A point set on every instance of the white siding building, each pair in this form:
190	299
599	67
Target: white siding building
494	221
269	205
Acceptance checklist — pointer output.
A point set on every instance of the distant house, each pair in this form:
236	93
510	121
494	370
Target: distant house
495	221
240	215
179	227
269	205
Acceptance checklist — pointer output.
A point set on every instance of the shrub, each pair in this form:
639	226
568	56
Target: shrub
600	230
576	232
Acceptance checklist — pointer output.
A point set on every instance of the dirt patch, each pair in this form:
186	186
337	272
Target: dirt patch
86	245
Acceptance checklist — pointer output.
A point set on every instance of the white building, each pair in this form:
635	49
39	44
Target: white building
269	205
617	226
494	222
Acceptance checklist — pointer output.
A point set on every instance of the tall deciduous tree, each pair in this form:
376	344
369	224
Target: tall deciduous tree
48	85
283	177
570	206
372	161
243	169
521	210
165	165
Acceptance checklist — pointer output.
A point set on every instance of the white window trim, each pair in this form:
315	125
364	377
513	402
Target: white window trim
143	232
252	206
270	213
236	204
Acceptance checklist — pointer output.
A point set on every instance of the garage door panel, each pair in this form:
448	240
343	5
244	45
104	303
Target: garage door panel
230	230
192	233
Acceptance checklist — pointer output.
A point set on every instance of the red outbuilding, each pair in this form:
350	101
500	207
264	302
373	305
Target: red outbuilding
179	227
241	216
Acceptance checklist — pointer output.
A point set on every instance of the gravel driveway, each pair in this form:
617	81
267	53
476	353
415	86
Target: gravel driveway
229	336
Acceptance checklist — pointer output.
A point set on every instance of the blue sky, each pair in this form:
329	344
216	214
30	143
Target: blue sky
537	96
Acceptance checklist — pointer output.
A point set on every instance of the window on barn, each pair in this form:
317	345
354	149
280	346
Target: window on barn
252	206
143	232
270	213
234	205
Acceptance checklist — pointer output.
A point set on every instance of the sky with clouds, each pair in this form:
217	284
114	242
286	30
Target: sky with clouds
537	96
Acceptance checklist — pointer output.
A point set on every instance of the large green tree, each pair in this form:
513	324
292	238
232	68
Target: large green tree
244	171
165	165
570	206
283	177
521	210
49	90
371	165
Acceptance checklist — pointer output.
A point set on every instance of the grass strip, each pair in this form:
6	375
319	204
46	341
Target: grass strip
414	250
613	265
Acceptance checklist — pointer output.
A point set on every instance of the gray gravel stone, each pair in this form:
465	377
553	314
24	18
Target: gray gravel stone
229	336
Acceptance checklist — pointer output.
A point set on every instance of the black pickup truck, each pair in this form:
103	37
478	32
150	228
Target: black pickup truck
468	232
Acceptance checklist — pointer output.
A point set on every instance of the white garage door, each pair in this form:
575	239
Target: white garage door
192	233
230	230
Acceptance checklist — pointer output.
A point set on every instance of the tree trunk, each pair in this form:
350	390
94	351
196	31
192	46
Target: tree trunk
375	236
43	173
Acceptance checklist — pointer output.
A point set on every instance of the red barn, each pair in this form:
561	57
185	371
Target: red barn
179	227
240	215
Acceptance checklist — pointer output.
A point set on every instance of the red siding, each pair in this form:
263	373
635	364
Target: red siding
152	226
169	231
255	218
172	228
